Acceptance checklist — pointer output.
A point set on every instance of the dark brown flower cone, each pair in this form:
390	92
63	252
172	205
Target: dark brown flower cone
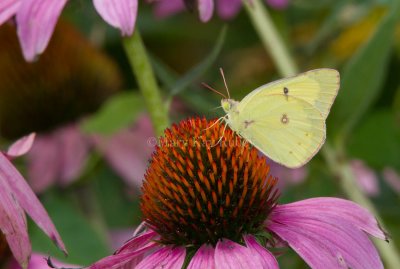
70	79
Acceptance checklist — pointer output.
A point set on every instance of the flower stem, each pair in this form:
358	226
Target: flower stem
142	69
388	251
273	43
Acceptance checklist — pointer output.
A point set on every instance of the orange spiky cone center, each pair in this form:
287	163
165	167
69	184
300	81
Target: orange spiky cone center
205	183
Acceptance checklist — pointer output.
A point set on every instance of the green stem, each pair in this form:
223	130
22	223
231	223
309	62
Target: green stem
142	69
273	43
388	251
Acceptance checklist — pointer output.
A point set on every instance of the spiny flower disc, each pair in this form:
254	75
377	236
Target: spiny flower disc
205	183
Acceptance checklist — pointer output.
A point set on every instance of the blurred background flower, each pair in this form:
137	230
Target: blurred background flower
226	9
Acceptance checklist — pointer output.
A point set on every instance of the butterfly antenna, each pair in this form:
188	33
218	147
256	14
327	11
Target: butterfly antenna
226	85
212	89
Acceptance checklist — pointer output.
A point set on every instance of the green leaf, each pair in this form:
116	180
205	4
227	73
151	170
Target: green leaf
118	112
119	207
363	76
377	140
198	70
83	243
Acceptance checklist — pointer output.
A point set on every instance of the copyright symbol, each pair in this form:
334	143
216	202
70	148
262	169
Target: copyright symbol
152	141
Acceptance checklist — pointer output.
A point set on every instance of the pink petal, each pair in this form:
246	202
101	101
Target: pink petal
12	219
228	9
127	153
60	155
123	260
137	242
7	9
43	162
229	254
287	176
204	258
266	258
278	4
131	253
21	146
327	208
328	232
206	9
166	257
36	20
366	177
39	261
118	13
166	8
73	148
392	178
28	201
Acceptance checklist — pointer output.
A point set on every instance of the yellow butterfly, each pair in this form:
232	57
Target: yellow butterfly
285	119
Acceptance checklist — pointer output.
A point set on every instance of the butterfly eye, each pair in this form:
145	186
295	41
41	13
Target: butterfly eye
285	90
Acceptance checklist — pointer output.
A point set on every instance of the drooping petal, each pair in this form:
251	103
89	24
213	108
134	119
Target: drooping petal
166	257
13	222
7	9
166	8
330	209
228	9
125	151
44	162
73	147
21	146
266	258
229	254
206	9
36	20
131	253
366	177
28	200
137	242
39	261
120	14
287	176
392	178
122	260
328	232
204	258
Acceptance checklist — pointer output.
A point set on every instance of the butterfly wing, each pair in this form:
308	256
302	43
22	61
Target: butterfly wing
318	87
288	130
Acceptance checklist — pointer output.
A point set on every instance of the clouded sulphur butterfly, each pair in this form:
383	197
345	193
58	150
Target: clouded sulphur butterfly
285	119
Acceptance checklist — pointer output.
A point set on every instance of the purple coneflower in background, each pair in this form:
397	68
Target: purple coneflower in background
226	9
15	198
36	19
59	157
214	205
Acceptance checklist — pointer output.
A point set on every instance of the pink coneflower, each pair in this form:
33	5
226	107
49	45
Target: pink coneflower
16	197
226	9
36	19
214	205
